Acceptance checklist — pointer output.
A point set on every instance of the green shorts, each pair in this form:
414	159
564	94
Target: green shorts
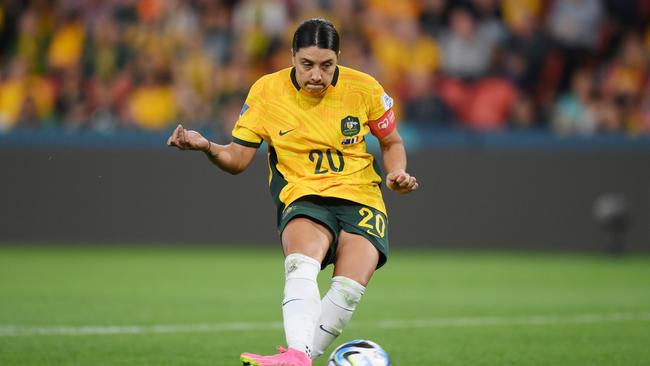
338	214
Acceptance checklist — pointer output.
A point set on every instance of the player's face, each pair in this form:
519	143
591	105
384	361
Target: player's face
314	68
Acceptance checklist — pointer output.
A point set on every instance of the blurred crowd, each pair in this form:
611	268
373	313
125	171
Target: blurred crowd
567	66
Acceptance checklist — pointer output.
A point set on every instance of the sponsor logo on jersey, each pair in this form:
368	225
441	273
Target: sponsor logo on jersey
350	126
350	141
244	108
387	101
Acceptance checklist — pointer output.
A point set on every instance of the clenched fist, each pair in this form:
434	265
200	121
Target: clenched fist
401	182
188	140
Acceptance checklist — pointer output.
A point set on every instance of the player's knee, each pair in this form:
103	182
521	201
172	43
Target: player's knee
356	258
306	237
346	292
301	266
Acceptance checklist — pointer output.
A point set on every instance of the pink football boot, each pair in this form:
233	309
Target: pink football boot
286	357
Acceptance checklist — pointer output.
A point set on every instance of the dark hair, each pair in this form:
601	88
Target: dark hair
316	32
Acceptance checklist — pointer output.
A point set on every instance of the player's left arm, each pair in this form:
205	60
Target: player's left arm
393	153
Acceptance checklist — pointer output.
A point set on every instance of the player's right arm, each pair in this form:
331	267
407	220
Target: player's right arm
247	135
232	158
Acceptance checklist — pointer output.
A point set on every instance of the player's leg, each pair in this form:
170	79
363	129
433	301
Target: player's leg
307	231
356	261
305	245
362	248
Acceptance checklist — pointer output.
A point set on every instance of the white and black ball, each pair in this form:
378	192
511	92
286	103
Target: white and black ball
359	352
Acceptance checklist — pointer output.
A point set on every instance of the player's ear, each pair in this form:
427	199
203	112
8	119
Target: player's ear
293	58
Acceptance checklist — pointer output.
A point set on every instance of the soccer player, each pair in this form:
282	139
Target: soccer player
315	117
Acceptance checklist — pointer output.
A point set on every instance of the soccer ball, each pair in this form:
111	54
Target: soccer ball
359	353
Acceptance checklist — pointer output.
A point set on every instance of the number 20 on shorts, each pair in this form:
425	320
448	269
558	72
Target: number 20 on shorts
369	218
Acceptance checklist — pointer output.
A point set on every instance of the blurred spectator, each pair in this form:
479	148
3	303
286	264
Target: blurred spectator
404	39
71	104
576	112
215	22
344	14
152	104
433	17
624	80
608	115
575	26
34	30
524	115
356	54
257	23
625	76
489	21
423	107
67	42
466	54
106	54
103	102
24	94
192	74
525	51
526	60
512	10
575	23
480	101
404	9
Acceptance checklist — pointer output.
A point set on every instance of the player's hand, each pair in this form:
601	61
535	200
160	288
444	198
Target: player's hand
188	140
401	182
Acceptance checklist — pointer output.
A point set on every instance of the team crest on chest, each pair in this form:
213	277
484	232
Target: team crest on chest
350	126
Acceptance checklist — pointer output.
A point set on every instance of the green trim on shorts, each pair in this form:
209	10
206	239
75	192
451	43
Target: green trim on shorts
338	214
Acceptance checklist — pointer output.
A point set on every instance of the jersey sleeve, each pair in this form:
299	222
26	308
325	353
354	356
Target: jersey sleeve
381	118
247	130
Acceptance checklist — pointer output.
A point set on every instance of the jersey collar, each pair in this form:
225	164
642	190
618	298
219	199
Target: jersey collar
296	85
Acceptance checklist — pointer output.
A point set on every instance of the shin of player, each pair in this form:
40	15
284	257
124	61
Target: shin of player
301	305
337	308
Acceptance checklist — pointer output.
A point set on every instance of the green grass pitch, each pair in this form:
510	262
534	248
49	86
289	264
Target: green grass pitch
203	306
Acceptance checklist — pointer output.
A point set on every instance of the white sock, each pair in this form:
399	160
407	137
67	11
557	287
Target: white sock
337	308
301	304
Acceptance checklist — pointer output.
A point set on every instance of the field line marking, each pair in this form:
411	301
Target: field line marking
16	330
9	330
515	320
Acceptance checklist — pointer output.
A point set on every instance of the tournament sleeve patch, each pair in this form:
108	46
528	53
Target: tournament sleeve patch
384	125
244	108
387	101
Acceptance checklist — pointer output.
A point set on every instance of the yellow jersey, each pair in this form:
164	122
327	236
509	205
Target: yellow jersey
317	144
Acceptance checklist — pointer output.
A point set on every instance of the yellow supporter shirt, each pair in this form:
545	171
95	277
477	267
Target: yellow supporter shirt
67	45
316	144
153	107
13	94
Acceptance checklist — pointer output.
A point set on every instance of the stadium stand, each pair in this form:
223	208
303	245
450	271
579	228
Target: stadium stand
566	67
